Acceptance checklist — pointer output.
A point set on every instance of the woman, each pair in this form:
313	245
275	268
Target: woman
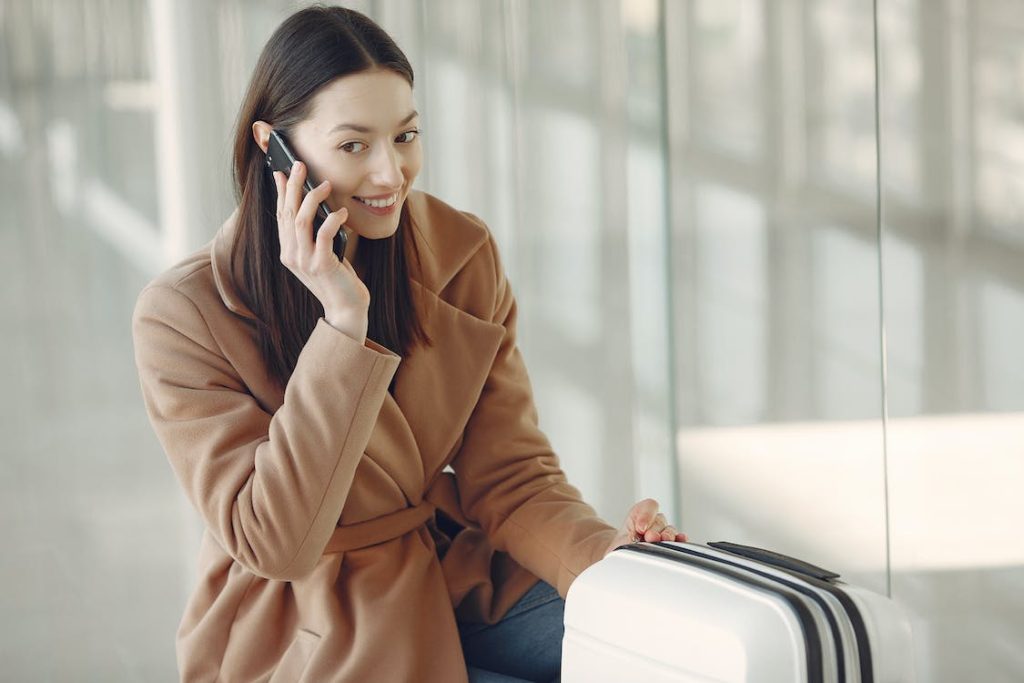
358	433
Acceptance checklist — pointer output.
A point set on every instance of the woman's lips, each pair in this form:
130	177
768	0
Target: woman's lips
378	211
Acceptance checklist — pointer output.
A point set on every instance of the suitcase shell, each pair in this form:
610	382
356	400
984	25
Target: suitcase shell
661	612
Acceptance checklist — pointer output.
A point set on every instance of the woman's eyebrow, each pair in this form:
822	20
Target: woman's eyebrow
367	129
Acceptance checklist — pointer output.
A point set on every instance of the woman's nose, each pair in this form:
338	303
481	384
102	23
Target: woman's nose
387	169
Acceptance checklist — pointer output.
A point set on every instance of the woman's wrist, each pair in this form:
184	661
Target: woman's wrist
354	326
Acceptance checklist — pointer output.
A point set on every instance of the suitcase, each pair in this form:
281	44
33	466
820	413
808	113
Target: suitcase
660	612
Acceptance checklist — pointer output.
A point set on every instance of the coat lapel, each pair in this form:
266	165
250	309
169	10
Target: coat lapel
437	386
436	389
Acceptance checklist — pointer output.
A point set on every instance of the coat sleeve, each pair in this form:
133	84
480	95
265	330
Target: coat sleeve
270	487
508	477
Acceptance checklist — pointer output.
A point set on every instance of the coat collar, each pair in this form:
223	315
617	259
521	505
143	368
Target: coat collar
436	387
447	240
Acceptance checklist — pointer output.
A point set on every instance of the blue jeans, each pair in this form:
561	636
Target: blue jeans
526	645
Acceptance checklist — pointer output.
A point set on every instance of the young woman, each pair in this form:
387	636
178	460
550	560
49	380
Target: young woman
357	430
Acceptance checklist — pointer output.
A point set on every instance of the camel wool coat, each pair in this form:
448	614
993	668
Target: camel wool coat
347	527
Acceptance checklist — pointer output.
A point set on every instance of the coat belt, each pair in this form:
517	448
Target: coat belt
379	529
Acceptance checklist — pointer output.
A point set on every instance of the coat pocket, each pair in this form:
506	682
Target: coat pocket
296	658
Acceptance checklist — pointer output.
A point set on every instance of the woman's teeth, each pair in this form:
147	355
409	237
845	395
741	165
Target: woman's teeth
380	203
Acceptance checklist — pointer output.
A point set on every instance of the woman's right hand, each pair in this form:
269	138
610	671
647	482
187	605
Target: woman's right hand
334	282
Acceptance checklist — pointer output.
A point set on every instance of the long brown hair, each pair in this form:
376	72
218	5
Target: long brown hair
310	49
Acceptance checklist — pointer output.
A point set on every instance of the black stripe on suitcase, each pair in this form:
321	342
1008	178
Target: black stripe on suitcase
803	590
819	578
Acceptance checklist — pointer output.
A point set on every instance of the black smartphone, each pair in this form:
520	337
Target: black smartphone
280	157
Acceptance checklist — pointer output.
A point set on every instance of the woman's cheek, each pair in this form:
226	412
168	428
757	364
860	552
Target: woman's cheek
340	198
348	203
415	160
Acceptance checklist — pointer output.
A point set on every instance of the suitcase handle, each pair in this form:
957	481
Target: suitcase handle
775	559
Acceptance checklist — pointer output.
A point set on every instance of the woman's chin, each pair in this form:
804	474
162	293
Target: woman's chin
373	232
374	228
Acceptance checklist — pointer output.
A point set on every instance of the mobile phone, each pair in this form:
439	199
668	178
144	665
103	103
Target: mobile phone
280	157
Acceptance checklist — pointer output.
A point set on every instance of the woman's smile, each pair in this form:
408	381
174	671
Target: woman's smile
379	206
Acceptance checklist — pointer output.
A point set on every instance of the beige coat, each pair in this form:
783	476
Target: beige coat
322	560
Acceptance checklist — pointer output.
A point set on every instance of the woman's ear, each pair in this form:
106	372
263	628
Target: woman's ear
261	131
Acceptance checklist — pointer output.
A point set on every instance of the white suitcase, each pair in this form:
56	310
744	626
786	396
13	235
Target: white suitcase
661	612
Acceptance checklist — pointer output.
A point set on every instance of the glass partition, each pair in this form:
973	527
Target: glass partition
952	172
775	278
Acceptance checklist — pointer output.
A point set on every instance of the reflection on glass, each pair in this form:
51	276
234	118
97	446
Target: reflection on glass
729	78
1001	330
905	362
731	315
953	290
560	193
572	417
841	94
563	44
901	63
454	174
845	311
648	305
998	77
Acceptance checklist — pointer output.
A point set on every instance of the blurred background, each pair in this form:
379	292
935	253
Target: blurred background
769	256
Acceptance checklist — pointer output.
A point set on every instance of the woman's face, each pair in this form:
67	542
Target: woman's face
362	136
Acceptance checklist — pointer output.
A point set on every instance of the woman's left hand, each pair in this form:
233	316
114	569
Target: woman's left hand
645	523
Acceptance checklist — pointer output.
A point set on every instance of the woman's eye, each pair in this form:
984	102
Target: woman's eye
348	146
411	135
